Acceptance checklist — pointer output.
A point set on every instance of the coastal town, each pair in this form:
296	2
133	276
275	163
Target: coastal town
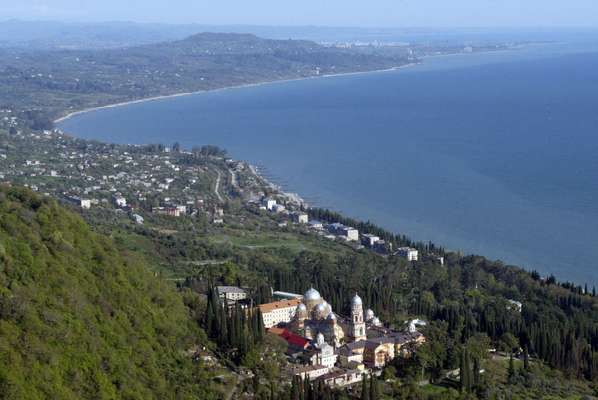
137	183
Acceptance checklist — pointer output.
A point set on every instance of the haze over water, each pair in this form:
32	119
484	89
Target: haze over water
495	154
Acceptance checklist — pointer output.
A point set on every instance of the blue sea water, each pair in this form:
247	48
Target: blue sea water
494	153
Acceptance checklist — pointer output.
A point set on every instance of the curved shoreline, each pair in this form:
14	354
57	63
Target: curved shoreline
245	85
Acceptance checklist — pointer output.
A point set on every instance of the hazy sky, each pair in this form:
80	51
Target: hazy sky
387	13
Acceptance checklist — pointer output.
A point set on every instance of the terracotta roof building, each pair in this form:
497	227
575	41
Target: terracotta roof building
279	311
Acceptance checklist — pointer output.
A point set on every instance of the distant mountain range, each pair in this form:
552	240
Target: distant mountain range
75	35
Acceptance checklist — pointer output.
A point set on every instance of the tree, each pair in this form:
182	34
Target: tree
508	342
476	372
526	359
365	393
465	372
511	372
373	388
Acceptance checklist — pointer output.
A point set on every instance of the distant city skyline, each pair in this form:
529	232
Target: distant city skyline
377	13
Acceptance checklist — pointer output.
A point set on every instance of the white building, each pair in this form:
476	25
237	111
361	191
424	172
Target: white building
278	208
85	204
369	240
279	311
409	253
182	209
326	355
347	232
269	203
351	234
231	293
300	218
317	225
311	372
120	201
515	305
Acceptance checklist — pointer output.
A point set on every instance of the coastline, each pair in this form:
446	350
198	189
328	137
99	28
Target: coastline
245	85
420	61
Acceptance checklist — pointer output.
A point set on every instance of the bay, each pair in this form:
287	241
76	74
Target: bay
493	153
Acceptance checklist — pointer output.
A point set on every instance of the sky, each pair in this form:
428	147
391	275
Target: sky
367	13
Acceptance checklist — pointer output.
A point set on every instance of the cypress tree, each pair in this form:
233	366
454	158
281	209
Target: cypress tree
465	372
295	388
373	388
307	390
364	388
511	369
526	359
476	372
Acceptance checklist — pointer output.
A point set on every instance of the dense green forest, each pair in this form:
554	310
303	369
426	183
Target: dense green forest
79	319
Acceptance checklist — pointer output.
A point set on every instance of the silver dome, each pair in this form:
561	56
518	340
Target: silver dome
312	294
356	301
369	314
321	309
301	308
331	317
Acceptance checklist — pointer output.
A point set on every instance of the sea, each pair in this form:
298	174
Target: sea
491	153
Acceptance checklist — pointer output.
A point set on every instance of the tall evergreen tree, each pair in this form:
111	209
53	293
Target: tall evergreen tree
511	373
476	372
365	392
526	359
465	372
373	388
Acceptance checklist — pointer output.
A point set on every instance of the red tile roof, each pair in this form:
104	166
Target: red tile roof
291	338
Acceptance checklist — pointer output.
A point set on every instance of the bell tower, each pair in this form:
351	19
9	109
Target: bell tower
357	322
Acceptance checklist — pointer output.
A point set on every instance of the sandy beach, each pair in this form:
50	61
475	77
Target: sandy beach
170	96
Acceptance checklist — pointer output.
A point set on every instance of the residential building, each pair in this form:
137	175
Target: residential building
317	225
300	217
347	232
269	204
409	253
278	208
120	201
369	240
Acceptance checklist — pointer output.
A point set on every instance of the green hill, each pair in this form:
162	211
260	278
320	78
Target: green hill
46	84
80	320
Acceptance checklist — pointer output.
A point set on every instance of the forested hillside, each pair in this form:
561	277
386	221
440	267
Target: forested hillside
47	83
80	320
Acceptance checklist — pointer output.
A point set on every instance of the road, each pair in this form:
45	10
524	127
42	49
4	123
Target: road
217	187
